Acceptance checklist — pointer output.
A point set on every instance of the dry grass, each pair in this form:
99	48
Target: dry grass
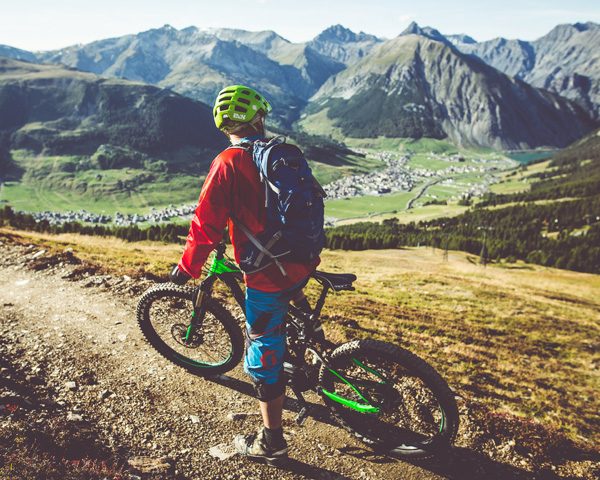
521	338
111	253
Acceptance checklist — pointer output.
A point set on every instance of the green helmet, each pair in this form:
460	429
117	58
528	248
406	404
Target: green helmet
238	104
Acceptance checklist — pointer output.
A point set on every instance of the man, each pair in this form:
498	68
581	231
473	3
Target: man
233	190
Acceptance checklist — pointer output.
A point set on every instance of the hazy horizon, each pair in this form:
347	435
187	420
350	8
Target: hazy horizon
68	22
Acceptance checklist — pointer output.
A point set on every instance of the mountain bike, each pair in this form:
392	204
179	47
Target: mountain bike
385	395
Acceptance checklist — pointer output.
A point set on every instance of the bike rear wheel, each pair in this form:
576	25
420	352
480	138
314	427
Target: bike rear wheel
408	410
164	315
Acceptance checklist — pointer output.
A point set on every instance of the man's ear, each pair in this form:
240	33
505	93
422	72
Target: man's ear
259	125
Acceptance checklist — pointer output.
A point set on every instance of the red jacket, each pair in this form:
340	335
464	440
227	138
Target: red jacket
233	186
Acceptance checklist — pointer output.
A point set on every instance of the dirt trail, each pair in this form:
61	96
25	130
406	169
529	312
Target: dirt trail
143	404
70	334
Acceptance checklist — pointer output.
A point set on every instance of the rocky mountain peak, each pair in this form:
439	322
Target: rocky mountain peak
415	29
342	45
429	89
338	33
189	30
16	53
567	30
583	27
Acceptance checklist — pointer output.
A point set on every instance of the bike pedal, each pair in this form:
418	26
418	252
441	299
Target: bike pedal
302	416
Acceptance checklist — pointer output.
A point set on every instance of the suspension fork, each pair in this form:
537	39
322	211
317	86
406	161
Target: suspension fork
203	292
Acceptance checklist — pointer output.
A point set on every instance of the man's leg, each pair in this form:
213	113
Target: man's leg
271	412
265	349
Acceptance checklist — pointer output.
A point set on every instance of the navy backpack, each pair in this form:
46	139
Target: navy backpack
294	204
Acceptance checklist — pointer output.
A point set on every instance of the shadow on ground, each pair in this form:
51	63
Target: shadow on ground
458	464
466	464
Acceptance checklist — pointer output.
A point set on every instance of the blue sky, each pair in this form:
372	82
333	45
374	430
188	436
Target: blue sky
50	24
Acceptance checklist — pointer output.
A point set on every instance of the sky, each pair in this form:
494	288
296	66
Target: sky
52	24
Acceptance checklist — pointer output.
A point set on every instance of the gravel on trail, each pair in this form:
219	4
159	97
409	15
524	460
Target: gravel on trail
78	333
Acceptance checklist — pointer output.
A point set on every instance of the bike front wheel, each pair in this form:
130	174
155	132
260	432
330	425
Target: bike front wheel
390	399
165	314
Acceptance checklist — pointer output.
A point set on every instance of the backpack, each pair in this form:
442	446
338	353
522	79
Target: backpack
295	210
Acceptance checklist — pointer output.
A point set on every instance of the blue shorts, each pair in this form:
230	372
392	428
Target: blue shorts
265	329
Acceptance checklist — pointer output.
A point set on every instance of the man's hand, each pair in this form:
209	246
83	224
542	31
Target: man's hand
178	277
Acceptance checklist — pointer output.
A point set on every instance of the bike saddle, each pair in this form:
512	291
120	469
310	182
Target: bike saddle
337	281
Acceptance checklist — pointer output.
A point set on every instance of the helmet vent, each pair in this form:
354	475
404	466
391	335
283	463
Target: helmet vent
245	92
239	108
223	107
244	100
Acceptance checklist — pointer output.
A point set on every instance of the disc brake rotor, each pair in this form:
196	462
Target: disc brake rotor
179	332
385	396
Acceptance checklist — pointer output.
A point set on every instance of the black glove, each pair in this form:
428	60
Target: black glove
178	277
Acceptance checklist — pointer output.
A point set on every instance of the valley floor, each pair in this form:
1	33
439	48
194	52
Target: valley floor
389	178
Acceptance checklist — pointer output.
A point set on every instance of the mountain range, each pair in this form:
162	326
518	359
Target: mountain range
421	83
565	61
413	86
54	110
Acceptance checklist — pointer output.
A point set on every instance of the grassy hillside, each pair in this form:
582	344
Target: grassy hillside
74	182
60	111
71	140
572	172
519	338
103	195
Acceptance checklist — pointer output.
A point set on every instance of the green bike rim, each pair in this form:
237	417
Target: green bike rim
197	363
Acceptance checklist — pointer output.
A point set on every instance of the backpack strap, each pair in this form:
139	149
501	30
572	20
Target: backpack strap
261	154
246	146
263	249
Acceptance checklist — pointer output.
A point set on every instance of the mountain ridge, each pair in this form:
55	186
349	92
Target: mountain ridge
198	62
566	61
59	111
471	102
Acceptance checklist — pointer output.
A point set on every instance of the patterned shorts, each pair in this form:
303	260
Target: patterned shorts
265	328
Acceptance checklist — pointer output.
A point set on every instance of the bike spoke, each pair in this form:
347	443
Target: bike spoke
408	410
216	343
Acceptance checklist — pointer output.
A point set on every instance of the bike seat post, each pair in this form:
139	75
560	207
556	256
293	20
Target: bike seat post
220	250
321	301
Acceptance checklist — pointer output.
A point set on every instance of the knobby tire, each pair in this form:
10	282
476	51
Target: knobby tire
173	292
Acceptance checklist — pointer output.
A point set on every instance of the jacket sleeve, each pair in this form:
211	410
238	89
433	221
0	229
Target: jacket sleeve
210	217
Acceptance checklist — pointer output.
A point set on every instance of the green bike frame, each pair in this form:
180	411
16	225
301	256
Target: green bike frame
218	266
222	265
366	407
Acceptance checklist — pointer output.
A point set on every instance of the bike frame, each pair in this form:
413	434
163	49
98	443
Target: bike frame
221	268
